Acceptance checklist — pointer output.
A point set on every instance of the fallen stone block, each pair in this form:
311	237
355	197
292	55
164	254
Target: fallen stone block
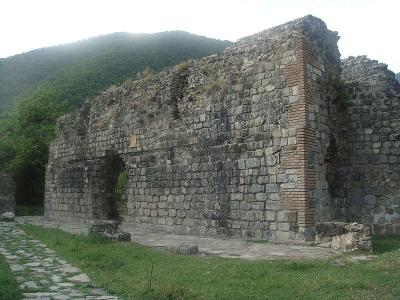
343	236
110	230
8	216
82	278
185	249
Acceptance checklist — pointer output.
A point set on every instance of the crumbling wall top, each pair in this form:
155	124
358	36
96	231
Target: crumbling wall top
305	25
309	27
365	70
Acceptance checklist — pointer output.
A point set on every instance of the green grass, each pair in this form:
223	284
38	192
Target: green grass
8	286
384	244
133	271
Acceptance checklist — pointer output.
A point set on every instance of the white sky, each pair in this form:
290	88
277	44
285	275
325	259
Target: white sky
366	26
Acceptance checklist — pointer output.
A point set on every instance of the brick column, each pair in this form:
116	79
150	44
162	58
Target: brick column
299	158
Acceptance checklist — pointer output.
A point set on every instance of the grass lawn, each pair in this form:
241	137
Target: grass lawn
133	271
8	286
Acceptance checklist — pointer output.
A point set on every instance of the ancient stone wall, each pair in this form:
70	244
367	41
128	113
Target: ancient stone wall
264	140
372	132
7	193
233	144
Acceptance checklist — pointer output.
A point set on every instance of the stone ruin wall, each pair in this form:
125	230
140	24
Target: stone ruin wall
231	144
7	193
249	142
372	161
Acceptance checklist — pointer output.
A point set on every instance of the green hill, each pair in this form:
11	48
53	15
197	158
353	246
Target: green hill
77	70
39	86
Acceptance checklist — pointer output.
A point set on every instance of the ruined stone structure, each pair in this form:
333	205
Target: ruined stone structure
343	236
371	169
7	193
257	141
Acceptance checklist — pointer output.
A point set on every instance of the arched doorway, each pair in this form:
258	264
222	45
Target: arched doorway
113	170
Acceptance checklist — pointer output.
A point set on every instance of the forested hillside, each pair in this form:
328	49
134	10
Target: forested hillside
398	77
74	71
39	86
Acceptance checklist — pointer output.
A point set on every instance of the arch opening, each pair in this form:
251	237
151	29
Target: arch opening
114	180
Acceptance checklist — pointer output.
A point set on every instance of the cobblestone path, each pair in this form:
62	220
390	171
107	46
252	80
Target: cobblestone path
40	273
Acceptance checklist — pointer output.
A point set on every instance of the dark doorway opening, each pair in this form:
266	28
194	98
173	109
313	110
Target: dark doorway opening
337	177
113	168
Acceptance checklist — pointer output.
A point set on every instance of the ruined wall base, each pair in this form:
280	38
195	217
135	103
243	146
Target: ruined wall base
343	236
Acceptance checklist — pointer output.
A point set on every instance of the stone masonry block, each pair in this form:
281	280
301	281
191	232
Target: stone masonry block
287	216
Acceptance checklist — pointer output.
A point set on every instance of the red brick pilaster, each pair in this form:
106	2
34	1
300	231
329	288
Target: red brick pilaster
299	158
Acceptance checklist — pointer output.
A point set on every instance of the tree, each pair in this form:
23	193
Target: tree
25	137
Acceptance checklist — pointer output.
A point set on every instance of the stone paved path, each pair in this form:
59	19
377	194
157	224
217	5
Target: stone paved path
41	274
223	247
228	247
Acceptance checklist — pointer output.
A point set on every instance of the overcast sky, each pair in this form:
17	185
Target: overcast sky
366	26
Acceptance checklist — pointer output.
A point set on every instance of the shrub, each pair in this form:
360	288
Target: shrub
217	84
182	67
120	186
147	72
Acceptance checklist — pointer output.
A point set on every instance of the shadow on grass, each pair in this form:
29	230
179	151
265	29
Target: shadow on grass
383	244
168	293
